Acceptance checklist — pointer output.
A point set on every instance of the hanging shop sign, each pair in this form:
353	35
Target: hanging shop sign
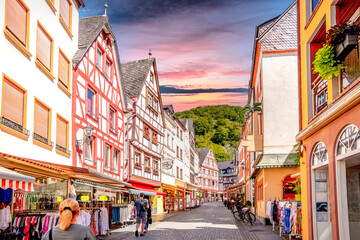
59	199
103	198
85	198
167	163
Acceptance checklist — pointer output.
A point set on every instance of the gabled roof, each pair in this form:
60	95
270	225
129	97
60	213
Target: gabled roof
89	29
134	75
203	152
169	108
226	164
189	122
282	33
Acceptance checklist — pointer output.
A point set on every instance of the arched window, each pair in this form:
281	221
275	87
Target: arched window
319	155
349	140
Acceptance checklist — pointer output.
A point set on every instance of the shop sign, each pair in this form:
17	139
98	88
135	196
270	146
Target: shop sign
59	199
85	198
167	163
103	198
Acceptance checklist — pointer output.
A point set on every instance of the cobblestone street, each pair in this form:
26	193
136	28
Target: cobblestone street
210	221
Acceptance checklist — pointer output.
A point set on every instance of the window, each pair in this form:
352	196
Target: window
89	152
150	98
64	70
16	24
177	172
181	174
177	131
260	192
13	109
137	160
146	132
116	160
112	118
168	141
314	3
107	68
99	54
181	154
44	49
91	102
177	152
155	164
154	137
348	141
62	127
42	123
107	157
151	76
147	162
181	134
65	13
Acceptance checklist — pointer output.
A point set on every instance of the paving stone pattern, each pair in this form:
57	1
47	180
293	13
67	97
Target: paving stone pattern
210	221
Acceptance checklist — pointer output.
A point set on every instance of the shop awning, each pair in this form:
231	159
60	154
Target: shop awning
15	181
147	190
38	168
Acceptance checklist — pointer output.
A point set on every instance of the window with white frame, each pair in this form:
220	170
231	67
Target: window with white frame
116	160
107	157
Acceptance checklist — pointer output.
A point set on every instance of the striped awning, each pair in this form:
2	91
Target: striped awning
15	181
16	185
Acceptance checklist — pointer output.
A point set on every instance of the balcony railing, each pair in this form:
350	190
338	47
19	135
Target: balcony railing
17	127
43	139
63	149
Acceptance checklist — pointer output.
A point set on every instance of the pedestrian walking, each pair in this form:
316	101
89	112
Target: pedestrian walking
149	219
68	229
141	207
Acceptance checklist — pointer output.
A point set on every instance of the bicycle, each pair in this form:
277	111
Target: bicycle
244	214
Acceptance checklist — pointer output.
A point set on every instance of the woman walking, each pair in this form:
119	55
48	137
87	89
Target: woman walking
67	229
149	219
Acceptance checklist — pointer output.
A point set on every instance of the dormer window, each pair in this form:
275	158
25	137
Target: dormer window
107	68
99	55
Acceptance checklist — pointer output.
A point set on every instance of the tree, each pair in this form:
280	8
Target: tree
251	109
202	126
220	135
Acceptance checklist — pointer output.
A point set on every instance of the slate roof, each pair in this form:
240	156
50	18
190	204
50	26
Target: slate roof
282	33
89	29
134	75
169	109
276	160
226	164
190	124
203	152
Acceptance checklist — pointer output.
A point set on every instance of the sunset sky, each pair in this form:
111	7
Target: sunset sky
203	48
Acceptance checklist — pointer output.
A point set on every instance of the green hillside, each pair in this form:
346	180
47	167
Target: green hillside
217	127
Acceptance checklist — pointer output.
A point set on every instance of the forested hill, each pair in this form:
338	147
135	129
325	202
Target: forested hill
216	127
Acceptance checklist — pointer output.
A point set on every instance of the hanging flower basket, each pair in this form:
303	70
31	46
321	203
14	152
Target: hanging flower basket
344	38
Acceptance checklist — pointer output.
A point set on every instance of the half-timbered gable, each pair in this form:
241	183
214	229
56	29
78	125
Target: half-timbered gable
209	169
145	130
98	99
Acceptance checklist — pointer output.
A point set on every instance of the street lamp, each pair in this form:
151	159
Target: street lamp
88	130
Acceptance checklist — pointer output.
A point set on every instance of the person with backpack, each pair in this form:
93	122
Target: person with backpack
141	207
149	219
68	229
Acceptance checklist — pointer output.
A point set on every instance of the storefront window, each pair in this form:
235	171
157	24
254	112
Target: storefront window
46	196
320	189
349	179
349	140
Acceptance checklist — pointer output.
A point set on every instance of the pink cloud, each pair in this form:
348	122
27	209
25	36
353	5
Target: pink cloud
183	74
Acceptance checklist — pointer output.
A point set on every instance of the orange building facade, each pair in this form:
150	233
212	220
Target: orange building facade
329	135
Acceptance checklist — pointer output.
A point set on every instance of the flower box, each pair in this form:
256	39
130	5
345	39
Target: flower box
147	169
137	165
156	171
346	46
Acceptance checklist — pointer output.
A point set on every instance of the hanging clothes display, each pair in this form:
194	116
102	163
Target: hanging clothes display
294	220
5	217
287	219
84	218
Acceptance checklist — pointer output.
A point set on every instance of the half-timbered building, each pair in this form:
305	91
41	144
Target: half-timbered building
209	174
145	125
98	99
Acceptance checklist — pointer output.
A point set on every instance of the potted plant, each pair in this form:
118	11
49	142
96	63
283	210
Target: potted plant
325	63
344	37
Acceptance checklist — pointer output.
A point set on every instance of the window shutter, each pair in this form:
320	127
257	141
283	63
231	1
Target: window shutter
41	120
65	11
63	70
16	19
61	132
13	103
43	48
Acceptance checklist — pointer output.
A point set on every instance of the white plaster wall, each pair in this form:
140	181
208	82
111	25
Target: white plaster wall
24	71
280	106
